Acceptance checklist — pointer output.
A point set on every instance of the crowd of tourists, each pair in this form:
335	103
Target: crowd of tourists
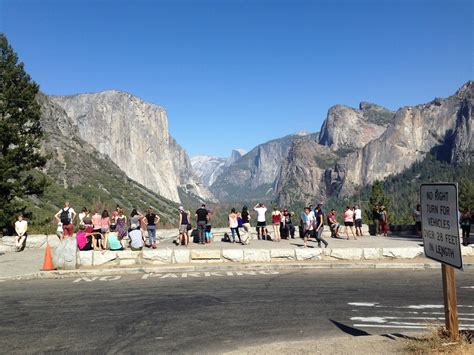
104	230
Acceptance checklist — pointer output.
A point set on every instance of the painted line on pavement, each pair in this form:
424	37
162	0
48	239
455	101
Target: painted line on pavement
181	275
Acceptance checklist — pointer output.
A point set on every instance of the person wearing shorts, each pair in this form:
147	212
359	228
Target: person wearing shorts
261	219
358	220
66	216
349	222
21	229
96	230
183	222
333	223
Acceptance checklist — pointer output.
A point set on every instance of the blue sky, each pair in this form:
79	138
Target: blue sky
238	73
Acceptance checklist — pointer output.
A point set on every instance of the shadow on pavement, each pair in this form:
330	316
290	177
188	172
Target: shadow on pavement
350	330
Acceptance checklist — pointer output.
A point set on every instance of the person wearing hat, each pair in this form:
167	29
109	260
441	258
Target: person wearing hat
183	223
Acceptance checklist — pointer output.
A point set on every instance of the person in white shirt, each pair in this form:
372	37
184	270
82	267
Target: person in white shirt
358	220
21	229
261	220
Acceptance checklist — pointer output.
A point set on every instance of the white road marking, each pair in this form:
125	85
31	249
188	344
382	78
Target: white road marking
182	275
461	327
422	316
467	287
362	304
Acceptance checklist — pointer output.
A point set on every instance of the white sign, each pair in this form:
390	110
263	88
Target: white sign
439	223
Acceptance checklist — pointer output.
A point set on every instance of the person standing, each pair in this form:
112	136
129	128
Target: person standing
465	221
135	218
276	220
358	220
87	222
376	219
319	226
202	216
349	222
383	220
151	220
66	216
21	230
261	219
121	224
287	224
309	226
183	222
234	225
82	215
246	217
417	219
105	223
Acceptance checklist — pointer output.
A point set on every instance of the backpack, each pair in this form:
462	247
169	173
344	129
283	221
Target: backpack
240	222
64	217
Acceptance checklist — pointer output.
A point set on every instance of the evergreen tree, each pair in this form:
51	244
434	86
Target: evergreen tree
20	135
466	193
377	198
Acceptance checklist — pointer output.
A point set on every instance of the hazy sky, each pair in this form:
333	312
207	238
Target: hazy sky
238	73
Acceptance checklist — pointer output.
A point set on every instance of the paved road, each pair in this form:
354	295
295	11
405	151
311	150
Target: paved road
216	312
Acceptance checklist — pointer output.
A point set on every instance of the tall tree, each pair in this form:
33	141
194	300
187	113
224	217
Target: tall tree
377	198
20	136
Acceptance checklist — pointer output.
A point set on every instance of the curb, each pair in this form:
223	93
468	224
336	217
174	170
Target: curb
60	274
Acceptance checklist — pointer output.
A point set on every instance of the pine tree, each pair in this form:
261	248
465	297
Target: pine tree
466	193
377	198
20	136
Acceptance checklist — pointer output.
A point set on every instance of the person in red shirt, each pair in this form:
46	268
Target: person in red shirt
276	220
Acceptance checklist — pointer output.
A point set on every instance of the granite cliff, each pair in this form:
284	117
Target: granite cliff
77	172
253	175
357	147
134	135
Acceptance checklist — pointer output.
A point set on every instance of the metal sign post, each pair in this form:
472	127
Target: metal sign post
440	230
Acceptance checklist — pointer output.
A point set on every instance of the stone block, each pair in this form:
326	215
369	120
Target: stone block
402	253
65	255
288	254
37	241
236	255
181	256
371	253
326	251
85	258
206	254
256	255
157	256
127	257
347	253
308	254
6	248
105	257
467	251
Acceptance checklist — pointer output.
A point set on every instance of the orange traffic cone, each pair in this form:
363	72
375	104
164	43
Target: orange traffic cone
48	260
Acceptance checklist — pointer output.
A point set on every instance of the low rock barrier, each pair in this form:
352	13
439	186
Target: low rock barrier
189	256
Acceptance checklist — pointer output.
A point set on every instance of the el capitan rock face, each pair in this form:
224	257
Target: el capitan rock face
134	135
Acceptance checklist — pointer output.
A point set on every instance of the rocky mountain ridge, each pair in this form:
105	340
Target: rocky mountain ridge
442	127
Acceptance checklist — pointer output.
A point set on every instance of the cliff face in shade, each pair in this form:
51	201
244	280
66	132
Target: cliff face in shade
358	147
134	135
254	174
